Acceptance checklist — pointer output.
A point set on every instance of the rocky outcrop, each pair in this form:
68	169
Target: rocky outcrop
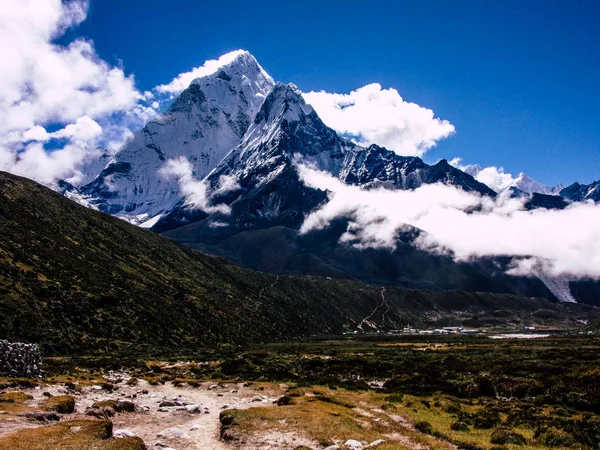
20	360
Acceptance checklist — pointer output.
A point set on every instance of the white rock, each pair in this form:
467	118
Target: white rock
257	399
123	433
375	443
97	388
173	433
351	443
194	409
333	447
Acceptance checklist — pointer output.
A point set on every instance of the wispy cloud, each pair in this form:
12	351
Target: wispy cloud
195	191
494	177
464	225
183	80
373	115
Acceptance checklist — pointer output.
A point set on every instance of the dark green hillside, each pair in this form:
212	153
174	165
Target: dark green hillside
78	280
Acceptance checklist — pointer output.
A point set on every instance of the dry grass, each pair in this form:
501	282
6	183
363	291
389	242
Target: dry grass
413	409
63	404
14	403
73	435
327	417
6	382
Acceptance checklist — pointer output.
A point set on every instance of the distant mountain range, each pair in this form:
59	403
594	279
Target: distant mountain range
238	132
522	183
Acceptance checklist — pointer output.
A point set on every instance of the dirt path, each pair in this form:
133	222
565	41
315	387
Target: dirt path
367	320
197	430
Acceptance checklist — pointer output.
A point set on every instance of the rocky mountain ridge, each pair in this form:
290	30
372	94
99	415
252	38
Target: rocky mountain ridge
242	134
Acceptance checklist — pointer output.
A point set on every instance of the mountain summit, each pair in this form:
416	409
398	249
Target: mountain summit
202	125
238	134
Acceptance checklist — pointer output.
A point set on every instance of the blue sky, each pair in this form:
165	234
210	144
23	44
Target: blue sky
518	79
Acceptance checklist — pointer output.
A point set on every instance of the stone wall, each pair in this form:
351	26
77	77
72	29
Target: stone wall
20	360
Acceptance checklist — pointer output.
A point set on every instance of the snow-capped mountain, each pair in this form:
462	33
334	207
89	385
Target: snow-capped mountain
202	125
241	133
268	191
377	166
522	182
530	186
582	192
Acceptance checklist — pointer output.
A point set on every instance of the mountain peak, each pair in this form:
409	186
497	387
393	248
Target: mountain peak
239	65
523	176
283	102
525	183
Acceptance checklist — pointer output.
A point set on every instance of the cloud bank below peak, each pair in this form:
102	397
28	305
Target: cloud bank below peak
373	115
467	226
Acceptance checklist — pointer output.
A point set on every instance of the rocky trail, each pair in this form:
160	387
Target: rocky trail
185	415
371	323
181	418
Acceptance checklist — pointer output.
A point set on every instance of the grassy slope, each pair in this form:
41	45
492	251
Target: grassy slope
77	280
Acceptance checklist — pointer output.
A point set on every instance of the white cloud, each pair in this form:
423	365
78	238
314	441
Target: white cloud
183	80
36	133
195	191
33	161
381	116
494	177
45	84
466	225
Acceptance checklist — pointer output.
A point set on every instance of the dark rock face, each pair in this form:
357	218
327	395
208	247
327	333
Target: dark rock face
20	360
378	166
546	201
193	95
270	192
581	192
271	202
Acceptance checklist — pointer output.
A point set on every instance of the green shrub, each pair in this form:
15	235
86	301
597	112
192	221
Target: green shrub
486	419
507	436
553	437
424	427
452	408
459	426
395	398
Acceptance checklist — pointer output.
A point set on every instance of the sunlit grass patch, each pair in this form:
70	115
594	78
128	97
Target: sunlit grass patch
63	404
326	417
12	403
72	435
